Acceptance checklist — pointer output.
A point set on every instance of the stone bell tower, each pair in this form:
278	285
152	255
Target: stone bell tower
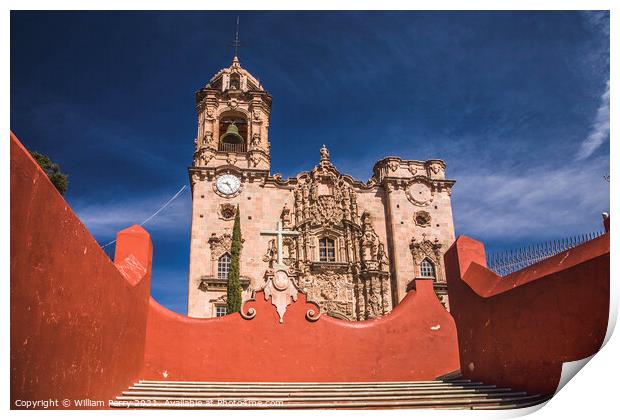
231	158
233	121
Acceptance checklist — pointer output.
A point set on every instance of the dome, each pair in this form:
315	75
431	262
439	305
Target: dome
234	77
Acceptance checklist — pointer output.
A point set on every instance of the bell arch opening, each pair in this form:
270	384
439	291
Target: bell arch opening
233	130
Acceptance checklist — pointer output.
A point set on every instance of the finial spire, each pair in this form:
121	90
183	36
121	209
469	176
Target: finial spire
324	153
236	43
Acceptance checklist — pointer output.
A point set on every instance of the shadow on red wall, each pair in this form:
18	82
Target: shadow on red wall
518	330
77	321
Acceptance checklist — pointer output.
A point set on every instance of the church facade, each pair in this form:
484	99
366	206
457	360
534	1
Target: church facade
353	247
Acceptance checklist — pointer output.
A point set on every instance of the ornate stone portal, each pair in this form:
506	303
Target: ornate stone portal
333	255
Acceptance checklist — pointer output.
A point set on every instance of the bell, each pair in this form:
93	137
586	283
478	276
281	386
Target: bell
232	135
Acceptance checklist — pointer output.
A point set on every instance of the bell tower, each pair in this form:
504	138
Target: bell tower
233	121
231	161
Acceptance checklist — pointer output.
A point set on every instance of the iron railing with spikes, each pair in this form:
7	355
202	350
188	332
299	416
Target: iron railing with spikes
507	262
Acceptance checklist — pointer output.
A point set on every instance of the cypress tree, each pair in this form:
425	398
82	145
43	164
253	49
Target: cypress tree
233	292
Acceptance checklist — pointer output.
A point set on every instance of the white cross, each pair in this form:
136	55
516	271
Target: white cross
280	233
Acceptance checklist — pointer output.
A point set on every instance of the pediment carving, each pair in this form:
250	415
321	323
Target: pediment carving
425	248
220	244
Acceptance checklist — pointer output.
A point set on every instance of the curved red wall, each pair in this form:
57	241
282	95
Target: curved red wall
416	341
518	330
77	321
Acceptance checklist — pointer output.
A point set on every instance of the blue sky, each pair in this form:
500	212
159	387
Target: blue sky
517	104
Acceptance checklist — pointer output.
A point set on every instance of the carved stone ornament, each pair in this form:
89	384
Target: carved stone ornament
233	103
281	290
203	156
231	159
227	211
422	218
413	168
255	158
208	139
437	168
393	164
420	194
219	244
425	248
256	114
327	211
324	153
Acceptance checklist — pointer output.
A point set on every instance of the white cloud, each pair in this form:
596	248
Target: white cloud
531	203
104	219
600	128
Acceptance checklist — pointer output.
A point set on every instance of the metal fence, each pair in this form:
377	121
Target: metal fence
506	262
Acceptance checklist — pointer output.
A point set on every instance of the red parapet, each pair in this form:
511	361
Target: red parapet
518	330
416	341
77	322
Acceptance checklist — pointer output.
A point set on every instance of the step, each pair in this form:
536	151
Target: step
426	403
336	398
344	393
234	391
145	381
177	385
448	394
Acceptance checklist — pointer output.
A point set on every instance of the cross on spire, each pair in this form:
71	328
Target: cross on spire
236	43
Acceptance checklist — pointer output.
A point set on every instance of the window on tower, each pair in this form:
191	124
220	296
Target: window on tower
327	250
427	269
223	266
235	81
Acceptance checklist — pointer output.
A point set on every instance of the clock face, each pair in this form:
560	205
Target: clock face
228	184
420	194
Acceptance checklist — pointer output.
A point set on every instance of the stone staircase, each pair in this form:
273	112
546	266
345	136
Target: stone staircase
442	394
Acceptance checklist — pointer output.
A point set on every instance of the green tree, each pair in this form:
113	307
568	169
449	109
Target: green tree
233	293
60	180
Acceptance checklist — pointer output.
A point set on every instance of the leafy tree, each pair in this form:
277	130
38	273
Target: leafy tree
233	293
60	180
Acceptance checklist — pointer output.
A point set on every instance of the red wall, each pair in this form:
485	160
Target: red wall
77	323
517	330
82	327
416	341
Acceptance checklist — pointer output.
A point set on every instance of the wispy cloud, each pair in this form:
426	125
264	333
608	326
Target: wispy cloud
600	128
598	20
532	203
104	219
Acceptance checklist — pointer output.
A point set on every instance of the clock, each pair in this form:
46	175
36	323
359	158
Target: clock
420	194
228	184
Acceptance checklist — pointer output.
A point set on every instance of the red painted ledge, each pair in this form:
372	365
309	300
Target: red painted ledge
518	330
416	341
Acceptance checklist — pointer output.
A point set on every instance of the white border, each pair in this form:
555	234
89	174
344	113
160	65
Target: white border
592	395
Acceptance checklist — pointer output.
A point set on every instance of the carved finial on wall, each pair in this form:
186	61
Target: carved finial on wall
324	153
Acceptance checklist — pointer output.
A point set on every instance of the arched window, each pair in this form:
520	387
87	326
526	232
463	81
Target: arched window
427	269
234	82
223	266
327	250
